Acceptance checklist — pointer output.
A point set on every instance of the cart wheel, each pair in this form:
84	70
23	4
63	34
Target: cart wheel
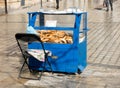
79	71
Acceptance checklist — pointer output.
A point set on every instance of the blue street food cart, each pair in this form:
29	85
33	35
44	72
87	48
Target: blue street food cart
71	57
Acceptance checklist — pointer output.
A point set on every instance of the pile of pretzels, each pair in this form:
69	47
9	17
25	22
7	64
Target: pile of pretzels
55	36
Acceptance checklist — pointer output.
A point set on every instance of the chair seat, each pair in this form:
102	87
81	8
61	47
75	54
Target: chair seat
38	54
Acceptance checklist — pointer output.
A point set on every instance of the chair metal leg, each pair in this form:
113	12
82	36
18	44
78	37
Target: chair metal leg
28	65
40	74
46	61
49	64
21	70
42	70
25	62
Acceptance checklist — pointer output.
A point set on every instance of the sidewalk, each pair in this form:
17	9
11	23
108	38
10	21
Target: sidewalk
103	70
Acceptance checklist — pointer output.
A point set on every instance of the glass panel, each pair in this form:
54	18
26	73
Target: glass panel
68	21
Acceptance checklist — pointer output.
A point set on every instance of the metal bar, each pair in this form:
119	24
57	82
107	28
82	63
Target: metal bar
41	3
6	11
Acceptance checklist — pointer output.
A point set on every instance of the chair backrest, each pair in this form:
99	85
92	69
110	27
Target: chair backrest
24	38
28	37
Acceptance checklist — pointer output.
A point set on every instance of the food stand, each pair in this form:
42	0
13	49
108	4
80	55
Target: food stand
67	57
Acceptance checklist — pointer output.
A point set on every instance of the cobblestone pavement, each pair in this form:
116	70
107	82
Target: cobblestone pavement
103	70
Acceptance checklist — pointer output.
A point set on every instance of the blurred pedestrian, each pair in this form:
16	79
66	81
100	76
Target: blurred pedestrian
106	3
57	4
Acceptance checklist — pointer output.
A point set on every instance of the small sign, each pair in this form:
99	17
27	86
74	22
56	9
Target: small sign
51	23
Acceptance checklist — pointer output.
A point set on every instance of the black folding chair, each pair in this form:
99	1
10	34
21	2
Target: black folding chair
22	40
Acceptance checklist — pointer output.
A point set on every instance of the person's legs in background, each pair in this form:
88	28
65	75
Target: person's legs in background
111	2
104	3
57	4
107	4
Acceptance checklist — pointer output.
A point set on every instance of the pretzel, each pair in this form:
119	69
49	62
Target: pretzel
54	36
